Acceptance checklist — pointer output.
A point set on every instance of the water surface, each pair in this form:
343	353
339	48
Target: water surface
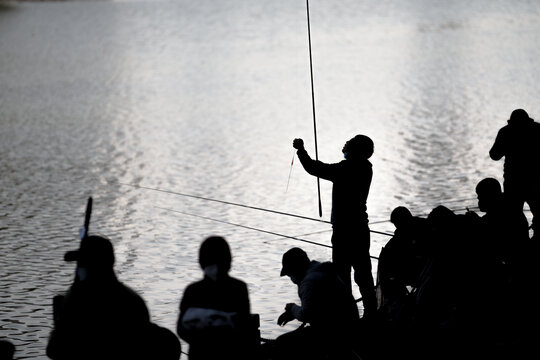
205	97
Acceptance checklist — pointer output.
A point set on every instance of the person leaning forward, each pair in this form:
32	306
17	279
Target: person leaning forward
326	305
351	180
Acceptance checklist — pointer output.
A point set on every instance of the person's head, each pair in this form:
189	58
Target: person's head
359	147
441	217
7	350
400	216
215	257
294	264
95	258
489	193
519	116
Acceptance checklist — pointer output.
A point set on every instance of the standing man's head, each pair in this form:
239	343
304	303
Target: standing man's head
359	147
489	194
215	257
295	263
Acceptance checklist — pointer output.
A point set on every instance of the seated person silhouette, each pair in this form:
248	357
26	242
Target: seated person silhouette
401	262
101	318
215	311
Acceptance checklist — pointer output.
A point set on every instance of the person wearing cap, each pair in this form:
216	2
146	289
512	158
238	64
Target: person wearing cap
519	143
215	311
351	180
101	318
326	305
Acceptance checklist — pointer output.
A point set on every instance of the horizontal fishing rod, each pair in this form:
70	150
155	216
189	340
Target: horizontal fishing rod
239	205
248	227
306	234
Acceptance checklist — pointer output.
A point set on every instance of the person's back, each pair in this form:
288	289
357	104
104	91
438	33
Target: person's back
105	321
326	303
327	309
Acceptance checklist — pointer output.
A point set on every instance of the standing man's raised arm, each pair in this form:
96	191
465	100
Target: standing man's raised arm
314	167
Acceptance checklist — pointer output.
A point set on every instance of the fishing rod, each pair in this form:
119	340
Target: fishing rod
83	232
306	234
249	228
237	204
313	105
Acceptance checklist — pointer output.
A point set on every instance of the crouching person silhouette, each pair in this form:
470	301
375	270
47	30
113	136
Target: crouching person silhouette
101	318
326	305
215	315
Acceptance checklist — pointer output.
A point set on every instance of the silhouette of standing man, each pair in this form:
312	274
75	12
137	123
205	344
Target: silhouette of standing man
351	180
519	143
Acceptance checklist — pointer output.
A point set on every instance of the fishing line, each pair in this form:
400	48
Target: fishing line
249	228
290	171
307	234
243	226
226	202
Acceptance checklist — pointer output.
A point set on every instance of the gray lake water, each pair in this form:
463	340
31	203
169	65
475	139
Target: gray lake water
205	97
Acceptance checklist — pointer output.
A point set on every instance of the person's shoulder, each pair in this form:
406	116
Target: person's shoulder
129	292
536	126
196	285
317	269
236	282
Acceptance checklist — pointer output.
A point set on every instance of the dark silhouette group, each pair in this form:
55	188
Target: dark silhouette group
448	285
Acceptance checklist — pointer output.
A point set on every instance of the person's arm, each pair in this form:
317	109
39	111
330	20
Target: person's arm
498	149
314	167
304	312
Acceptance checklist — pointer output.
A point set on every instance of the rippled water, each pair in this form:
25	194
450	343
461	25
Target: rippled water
204	97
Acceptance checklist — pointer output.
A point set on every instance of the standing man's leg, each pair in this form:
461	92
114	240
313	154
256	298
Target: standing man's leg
341	256
361	262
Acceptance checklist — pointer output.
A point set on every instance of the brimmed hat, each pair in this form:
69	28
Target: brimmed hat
293	260
94	251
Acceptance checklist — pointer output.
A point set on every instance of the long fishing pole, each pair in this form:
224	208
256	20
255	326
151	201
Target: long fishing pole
313	105
248	227
239	205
